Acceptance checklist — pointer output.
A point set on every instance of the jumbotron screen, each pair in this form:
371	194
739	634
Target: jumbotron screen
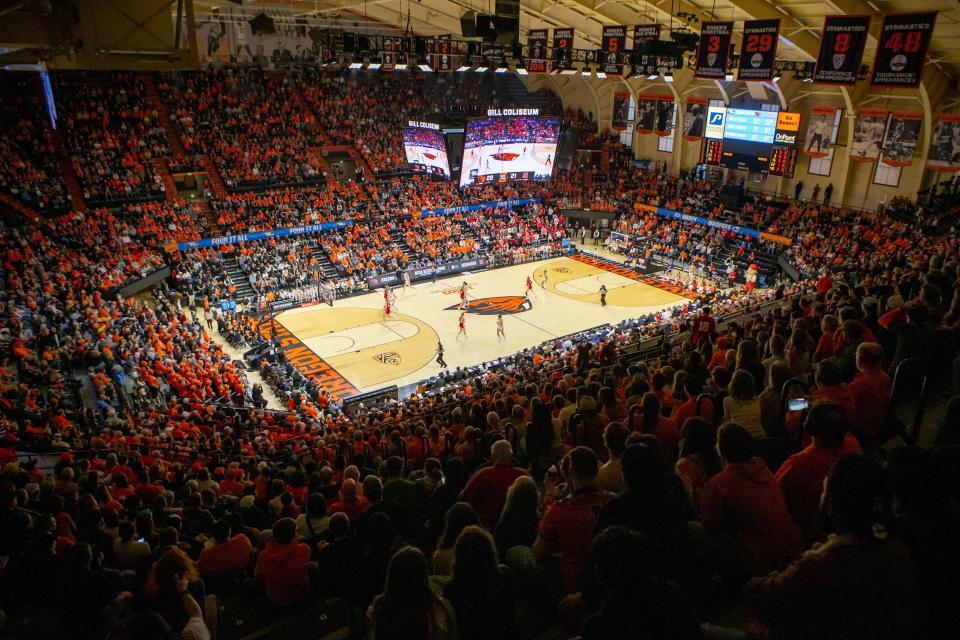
502	149
426	150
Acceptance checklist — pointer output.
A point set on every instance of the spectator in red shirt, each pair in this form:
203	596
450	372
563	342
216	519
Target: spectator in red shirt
663	429
871	389
283	566
825	283
704	326
349	503
801	476
831	389
487	489
568	525
230	486
828	329
228	554
702	409
744	504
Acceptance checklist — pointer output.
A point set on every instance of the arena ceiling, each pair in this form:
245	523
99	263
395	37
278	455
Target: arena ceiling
800	35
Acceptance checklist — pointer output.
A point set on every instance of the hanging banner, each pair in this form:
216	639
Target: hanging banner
664	124
537	50
443	58
945	147
902	49
714	50
621	111
646	112
390	55
562	48
614	46
758	50
644	32
841	49
868	134
695	118
900	140
819	132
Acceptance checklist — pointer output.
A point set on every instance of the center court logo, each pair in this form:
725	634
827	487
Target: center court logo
388	357
493	306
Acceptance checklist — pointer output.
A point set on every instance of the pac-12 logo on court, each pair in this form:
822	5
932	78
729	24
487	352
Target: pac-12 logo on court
493	306
560	269
388	357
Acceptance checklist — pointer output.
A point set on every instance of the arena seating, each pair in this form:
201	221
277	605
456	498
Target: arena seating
586	466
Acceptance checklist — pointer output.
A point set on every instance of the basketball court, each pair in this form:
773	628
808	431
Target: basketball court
351	348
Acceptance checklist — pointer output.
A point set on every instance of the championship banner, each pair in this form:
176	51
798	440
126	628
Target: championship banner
562	48
841	49
621	111
714	50
820	132
945	149
614	44
537	50
868	134
443	58
646	112
644	32
902	49
900	140
664	123
758	50
695	118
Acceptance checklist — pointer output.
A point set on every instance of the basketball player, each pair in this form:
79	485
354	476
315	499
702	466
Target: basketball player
406	280
603	295
500	334
462	323
386	311
387	295
543	283
529	285
549	160
463	296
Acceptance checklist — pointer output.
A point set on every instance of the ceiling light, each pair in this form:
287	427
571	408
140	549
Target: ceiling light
463	67
568	72
808	79
586	73
653	76
668	76
401	66
481	69
355	65
373	66
602	75
728	77
502	69
522	71
425	68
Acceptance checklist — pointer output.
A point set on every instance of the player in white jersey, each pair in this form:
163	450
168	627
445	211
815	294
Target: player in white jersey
500	334
406	280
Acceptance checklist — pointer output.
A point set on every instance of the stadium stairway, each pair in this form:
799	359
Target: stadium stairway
213	176
170	189
154	100
204	206
318	162
232	267
396	237
70	179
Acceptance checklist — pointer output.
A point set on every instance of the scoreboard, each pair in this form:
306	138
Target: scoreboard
783	161
712	152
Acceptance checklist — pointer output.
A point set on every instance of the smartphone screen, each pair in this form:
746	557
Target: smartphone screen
797	404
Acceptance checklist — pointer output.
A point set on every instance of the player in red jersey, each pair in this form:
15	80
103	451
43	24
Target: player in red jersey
463	325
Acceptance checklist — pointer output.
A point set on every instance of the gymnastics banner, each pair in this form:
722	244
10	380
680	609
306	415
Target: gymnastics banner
562	48
902	49
714	50
664	122
614	44
841	49
820	132
537	50
621	111
758	50
900	140
945	148
695	119
868	134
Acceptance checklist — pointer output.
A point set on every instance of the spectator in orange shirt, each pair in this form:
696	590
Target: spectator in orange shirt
871	389
284	566
228	553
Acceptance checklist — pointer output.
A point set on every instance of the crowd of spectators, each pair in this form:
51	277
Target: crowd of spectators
570	488
111	134
30	170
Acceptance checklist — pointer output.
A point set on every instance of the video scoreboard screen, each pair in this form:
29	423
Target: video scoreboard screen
748	139
508	148
426	148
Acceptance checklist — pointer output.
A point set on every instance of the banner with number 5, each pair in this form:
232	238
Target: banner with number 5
714	50
758	50
841	49
902	49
